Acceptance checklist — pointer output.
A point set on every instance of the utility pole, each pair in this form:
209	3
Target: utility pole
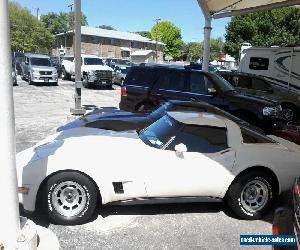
37	13
157	20
71	17
9	209
77	110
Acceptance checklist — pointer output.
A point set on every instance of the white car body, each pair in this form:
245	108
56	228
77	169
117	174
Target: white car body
70	66
146	172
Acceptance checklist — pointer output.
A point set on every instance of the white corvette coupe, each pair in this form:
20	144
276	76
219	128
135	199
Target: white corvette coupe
184	156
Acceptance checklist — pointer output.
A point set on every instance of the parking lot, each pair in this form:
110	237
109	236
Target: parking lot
39	110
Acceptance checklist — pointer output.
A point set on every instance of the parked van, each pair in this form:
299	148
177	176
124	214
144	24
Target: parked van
279	64
37	68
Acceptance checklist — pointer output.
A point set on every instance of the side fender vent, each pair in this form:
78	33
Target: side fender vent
118	187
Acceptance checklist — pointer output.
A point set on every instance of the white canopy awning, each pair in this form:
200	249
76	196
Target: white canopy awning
225	8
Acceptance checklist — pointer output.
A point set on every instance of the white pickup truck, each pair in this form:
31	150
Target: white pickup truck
93	71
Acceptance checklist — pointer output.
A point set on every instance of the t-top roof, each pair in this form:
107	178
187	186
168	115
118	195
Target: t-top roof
91	31
225	8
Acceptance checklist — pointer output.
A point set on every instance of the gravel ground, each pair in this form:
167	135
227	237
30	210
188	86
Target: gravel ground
39	110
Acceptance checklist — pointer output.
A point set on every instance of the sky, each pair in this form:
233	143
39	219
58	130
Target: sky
137	15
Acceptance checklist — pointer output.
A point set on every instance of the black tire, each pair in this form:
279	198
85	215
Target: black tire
65	75
29	79
289	113
85	82
62	184
144	107
238	200
23	78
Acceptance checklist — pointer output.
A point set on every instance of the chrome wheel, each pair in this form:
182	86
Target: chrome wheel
69	198
254	196
287	114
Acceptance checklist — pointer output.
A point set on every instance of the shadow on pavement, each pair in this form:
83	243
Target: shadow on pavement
38	217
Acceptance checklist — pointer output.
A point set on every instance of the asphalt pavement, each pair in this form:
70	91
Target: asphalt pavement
39	110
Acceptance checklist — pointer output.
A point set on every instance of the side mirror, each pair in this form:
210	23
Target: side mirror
211	91
180	148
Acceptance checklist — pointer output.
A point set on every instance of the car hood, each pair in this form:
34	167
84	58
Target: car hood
105	116
80	138
248	98
96	67
42	68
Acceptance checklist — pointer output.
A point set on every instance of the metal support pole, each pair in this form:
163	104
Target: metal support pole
77	43
9	207
206	49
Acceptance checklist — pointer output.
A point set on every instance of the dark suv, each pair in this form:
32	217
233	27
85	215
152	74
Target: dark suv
148	85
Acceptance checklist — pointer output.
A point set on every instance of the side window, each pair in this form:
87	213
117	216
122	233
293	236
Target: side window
252	137
140	76
198	83
172	80
202	139
259	63
244	82
259	84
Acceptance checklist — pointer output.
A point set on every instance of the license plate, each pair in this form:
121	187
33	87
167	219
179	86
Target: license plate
46	80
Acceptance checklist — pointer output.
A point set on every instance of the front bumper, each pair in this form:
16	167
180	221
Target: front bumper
99	80
44	78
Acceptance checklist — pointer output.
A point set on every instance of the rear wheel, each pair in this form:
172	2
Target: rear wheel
144	107
252	195
69	198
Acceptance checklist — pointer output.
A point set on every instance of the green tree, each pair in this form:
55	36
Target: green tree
106	27
216	48
170	35
144	34
278	27
27	33
194	51
61	22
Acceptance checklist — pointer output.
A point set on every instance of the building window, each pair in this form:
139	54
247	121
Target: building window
125	54
259	63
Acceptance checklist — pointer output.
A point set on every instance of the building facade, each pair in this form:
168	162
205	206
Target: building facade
107	43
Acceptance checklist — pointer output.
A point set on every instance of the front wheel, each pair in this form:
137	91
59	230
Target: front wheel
65	75
29	79
85	81
69	198
289	113
252	195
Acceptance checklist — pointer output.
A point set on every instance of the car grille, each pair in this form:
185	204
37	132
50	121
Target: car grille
104	74
45	72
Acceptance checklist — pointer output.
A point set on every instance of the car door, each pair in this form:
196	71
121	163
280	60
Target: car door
204	170
202	88
171	84
25	67
254	85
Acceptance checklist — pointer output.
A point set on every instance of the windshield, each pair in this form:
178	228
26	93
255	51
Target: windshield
40	62
161	132
93	61
160	111
224	85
